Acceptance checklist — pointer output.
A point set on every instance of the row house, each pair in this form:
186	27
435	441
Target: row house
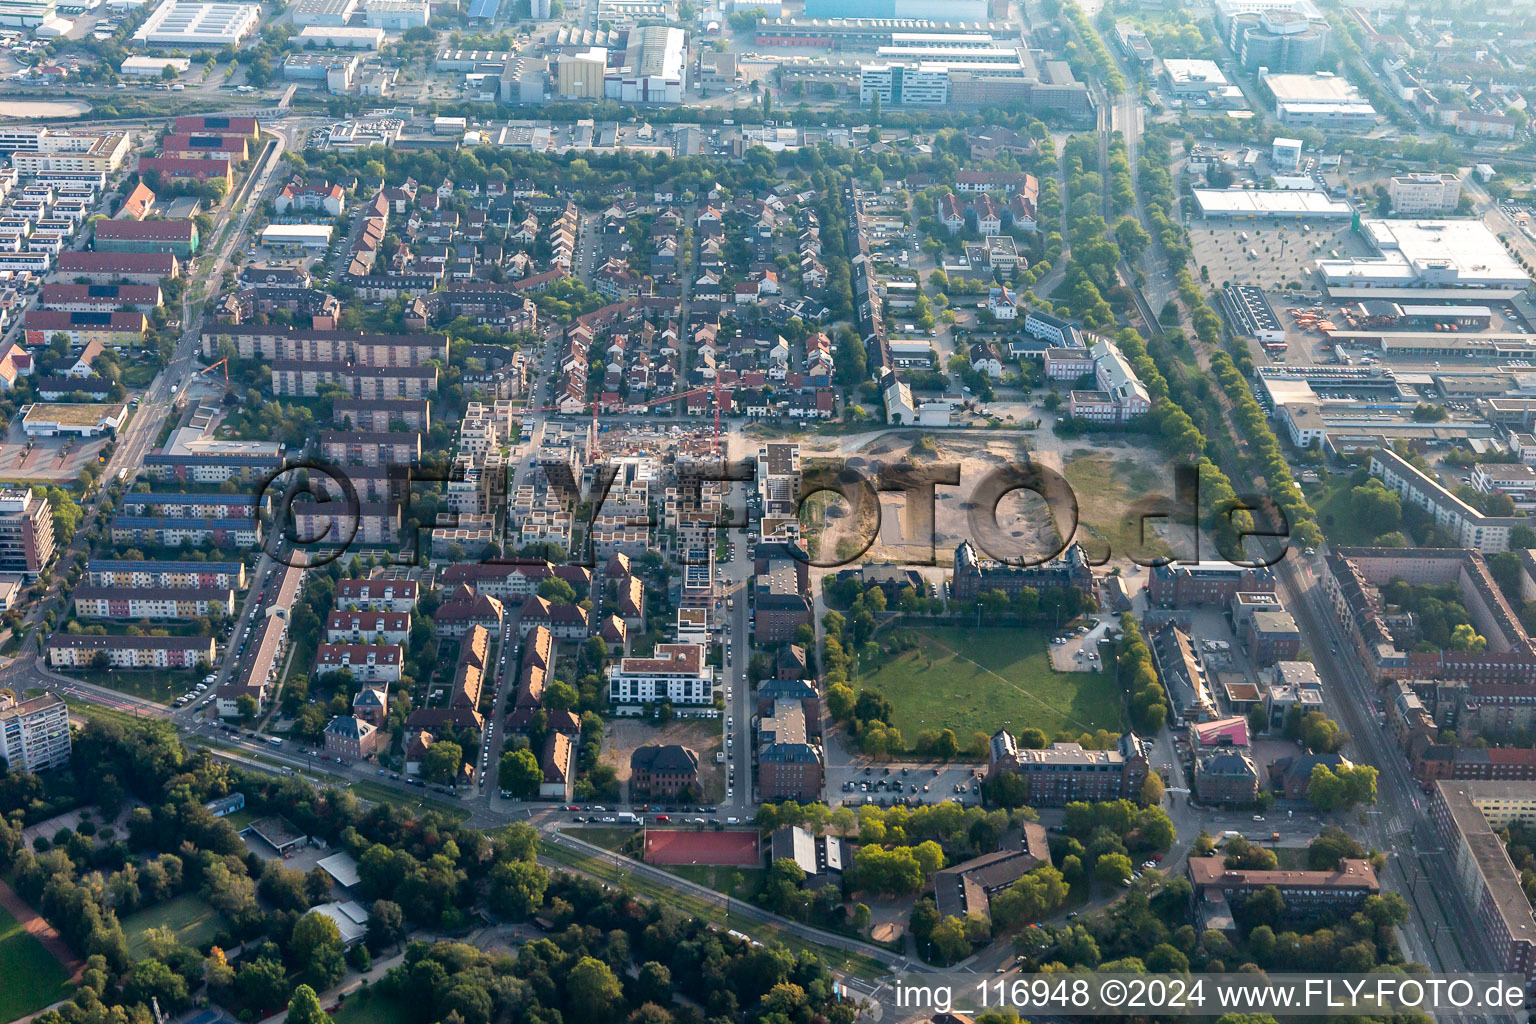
151	602
356	627
375	523
130	652
564	621
371	448
170	532
199	506
512	581
372	663
210	469
305	379
381	416
380	594
101	572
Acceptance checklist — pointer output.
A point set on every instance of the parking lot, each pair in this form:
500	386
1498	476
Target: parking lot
910	783
1078	650
1271	254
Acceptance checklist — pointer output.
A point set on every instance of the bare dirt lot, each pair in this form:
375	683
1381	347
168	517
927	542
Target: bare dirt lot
701	735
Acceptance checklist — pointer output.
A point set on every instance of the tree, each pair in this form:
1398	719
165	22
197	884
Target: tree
1465	638
1152	790
386	924
592	990
517	888
264	983
948	941
442	761
318	950
519	773
305	1008
557	591
1113	869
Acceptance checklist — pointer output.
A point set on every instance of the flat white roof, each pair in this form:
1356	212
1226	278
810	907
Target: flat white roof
308	232
1182	71
175	22
1312	88
1447	253
1245	202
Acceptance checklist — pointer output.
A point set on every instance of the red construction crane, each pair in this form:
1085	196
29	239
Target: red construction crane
222	362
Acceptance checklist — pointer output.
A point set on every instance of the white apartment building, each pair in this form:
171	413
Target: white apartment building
34	734
1424	193
675	673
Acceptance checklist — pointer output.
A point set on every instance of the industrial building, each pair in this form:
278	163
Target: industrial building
923	10
1193	77
345	37
1249	312
27	13
176	23
655	68
1321	100
1428	254
153	67
396	15
1251	203
329	13
579	76
869	34
308	236
936	77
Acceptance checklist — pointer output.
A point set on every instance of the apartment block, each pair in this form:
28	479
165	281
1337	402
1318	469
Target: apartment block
151	602
26	532
34	733
133	652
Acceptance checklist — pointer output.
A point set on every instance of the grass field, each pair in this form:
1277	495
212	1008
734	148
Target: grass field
1106	484
604	868
738	882
194	922
981	679
369	1007
1335	511
160	685
33	978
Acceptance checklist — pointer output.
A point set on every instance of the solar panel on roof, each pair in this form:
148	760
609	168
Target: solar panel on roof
484	8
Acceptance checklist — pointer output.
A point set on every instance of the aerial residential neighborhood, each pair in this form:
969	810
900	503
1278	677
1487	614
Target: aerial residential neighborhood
746	510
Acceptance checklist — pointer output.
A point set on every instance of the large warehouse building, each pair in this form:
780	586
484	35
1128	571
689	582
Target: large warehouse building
655	68
175	23
1428	254
1293	204
1322	101
923	10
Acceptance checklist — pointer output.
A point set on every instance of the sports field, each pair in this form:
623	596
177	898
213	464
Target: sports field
32	978
194	922
680	846
984	679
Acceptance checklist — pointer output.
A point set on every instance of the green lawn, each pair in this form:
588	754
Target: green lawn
738	882
369	1007
1335	513
160	685
194	922
982	679
33	978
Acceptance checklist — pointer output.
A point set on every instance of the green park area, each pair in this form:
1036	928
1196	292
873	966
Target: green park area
32	978
194	922
982	679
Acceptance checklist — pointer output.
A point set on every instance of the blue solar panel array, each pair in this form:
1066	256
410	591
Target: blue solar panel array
484	9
